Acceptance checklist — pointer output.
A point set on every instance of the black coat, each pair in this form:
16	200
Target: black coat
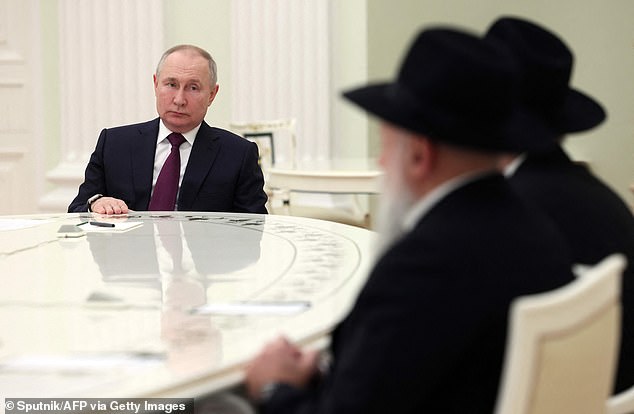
428	331
595	222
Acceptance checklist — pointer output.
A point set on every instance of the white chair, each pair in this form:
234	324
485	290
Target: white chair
562	346
276	141
276	145
622	403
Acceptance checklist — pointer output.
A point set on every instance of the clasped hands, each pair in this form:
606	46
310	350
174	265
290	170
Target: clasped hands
280	362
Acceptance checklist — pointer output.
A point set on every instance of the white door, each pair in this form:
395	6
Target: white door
19	44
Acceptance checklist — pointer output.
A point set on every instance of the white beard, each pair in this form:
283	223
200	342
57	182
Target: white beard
396	201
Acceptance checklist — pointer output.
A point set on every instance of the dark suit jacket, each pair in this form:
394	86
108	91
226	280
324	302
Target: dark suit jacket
428	331
595	222
222	173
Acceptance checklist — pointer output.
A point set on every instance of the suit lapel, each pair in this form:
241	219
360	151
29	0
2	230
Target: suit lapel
202	157
143	150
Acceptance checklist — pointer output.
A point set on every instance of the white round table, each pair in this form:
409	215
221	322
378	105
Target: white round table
165	304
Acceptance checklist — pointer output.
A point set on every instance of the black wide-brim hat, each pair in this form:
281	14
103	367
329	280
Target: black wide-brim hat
455	88
545	64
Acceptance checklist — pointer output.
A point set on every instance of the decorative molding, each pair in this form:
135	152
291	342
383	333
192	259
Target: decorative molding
17	119
12	14
108	52
8	56
12	173
110	84
11	82
12	154
279	63
4	22
66	178
13	114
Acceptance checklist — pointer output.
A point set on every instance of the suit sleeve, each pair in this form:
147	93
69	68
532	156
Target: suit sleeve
392	350
94	178
410	331
249	194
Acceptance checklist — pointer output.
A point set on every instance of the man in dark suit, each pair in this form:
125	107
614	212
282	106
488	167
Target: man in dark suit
592	217
427	332
219	170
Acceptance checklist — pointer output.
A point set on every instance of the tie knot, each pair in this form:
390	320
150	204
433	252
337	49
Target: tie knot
176	139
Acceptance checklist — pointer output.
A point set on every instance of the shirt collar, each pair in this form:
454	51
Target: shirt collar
510	169
425	204
190	136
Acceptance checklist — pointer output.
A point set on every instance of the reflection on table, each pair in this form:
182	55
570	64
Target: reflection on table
173	307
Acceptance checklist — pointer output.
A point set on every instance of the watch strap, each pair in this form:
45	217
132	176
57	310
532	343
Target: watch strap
92	200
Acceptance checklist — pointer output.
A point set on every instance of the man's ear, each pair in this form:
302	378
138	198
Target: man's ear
212	95
422	157
155	82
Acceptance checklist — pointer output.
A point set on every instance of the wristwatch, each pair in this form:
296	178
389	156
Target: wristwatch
92	200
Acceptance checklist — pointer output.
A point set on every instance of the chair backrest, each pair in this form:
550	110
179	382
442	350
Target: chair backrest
275	140
622	403
562	346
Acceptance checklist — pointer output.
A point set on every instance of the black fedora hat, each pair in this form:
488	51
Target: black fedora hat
545	64
457	88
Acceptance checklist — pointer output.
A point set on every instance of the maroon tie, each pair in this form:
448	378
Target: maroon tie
166	187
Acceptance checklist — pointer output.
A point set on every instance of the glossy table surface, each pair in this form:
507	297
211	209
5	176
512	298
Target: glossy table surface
173	306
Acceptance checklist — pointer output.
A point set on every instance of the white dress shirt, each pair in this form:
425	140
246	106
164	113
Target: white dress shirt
163	149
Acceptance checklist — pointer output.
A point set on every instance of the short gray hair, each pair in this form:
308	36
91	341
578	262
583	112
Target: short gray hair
213	74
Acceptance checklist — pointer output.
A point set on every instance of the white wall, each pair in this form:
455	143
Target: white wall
600	33
204	23
348	69
19	81
207	24
367	40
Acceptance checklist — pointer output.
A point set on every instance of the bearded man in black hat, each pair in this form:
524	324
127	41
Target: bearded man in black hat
592	217
427	332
